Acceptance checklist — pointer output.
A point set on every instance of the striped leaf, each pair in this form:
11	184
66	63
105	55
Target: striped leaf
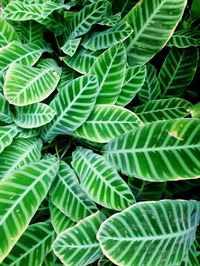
28	133
150	233
7	33
195	110
109	68
29	185
72	105
185	38
32	247
82	61
68	196
26	85
151	88
15	52
153	24
78	245
104	261
5	113
133	82
163	109
106	122
178	71
67	76
158	151
18	154
7	134
50	260
31	31
70	47
100	180
107	38
111	20
83	20
32	116
59	220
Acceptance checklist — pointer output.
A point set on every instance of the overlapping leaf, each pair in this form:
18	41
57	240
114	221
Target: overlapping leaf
100	180
71	46
21	194
5	113
7	134
106	122
185	38
158	151
151	233
7	33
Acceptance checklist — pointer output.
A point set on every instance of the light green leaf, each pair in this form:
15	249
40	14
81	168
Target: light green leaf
178	71
5	113
73	105
7	134
7	33
15	52
82	61
163	109
32	247
133	81
21	194
31	31
150	233
26	85
59	220
105	39
153	24
18	154
185	38
109	68
78	245
70	47
195	110
110	20
151	87
33	116
100	180
107	122
68	196
28	133
158	151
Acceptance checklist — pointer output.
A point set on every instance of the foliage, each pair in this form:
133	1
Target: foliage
99	132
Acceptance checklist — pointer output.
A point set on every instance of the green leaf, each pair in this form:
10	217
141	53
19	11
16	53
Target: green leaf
71	46
151	87
21	194
5	113
153	24
195	9
15	52
33	116
50	260
83	20
185	38
158	151
7	134
28	133
67	76
32	247
195	110
59	220
109	68
163	109
123	6
18	154
78	245
105	39
133	82
73	105
100	180
82	61
105	262
107	122
68	196
26	85
178	71
110	20
7	33
150	233
31	31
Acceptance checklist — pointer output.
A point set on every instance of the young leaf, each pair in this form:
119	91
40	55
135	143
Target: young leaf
150	233
106	122
33	116
157	151
100	180
7	134
153	24
78	245
21	194
163	109
72	105
109	69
